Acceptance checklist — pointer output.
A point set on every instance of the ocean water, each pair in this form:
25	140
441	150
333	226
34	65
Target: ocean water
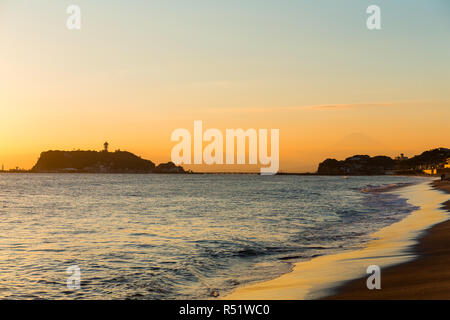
177	236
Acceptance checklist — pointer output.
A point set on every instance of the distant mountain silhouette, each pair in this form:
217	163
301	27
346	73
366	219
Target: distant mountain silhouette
357	141
99	162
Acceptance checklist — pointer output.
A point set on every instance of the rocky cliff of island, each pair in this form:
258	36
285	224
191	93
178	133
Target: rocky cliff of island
99	162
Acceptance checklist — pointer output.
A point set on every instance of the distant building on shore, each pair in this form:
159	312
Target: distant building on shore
447	164
438	168
401	157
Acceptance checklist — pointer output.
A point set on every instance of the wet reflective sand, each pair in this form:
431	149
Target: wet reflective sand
391	245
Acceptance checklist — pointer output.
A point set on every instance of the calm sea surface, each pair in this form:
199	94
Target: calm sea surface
176	236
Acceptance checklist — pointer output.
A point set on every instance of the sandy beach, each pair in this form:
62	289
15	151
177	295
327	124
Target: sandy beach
427	277
413	255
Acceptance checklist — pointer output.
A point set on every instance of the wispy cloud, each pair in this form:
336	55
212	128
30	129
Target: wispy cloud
345	106
350	106
323	107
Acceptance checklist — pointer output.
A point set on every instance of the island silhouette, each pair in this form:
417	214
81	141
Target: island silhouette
79	161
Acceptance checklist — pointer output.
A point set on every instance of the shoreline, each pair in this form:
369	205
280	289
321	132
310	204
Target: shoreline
426	277
345	273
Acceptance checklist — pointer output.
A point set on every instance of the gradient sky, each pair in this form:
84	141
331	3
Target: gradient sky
137	70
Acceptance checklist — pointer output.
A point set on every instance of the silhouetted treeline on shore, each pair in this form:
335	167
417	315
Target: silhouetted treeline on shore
433	161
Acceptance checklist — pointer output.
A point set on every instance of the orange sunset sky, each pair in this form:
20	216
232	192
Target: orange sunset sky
138	70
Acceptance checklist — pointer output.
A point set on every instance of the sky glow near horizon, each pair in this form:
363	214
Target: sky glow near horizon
137	70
